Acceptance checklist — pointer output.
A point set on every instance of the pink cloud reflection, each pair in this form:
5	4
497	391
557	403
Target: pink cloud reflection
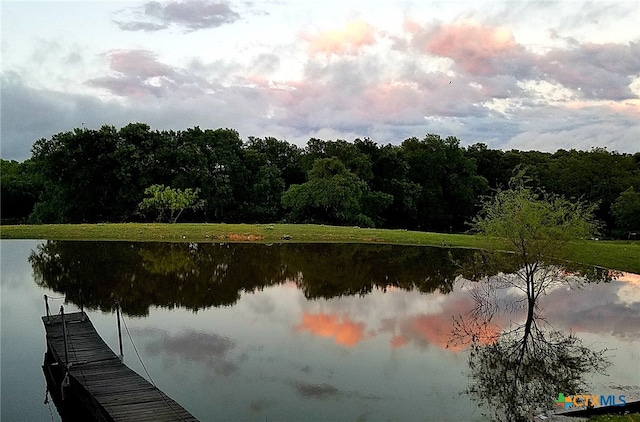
344	331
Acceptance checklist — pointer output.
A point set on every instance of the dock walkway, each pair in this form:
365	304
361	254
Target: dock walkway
110	390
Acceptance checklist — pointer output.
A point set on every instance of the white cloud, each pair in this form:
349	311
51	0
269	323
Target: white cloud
190	15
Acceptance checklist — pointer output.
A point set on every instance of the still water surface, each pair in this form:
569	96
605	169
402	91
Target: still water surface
239	332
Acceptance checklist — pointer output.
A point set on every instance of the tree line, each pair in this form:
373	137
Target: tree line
433	183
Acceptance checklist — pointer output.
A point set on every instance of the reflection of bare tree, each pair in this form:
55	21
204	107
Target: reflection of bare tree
520	370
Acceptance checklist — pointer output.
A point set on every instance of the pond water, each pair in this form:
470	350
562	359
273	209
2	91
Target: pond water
241	332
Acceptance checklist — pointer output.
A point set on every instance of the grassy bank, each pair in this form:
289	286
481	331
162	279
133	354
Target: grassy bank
620	255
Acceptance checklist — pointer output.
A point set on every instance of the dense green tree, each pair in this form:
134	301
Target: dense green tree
448	181
597	176
494	165
354	160
211	160
332	195
391	172
20	188
626	210
282	155
143	158
273	166
263	190
79	173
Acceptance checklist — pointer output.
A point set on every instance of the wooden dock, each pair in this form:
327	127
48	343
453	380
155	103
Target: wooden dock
97	378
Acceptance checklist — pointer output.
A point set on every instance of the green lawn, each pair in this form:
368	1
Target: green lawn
619	255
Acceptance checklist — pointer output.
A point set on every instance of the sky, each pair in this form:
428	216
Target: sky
527	75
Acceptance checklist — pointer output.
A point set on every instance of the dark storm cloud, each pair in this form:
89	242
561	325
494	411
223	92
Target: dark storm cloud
190	15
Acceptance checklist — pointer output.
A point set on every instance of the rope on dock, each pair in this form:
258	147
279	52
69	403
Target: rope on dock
126	327
47	401
46	302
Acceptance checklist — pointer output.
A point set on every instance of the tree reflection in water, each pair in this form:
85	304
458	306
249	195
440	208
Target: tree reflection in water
197	276
517	371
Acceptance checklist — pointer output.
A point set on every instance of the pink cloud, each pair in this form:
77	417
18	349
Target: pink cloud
141	63
398	341
348	40
344	331
139	73
630	278
393	100
473	46
438	329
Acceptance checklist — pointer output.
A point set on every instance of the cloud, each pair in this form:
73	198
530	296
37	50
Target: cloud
190	15
315	391
259	406
398	341
607	308
473	79
344	331
629	293
266	64
595	71
138	73
437	329
549	128
208	348
324	391
141	63
344	41
476	48
29	114
589	71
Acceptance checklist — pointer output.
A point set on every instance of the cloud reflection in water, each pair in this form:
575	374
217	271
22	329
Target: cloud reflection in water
210	349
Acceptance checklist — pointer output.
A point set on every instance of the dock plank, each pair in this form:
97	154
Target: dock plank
118	391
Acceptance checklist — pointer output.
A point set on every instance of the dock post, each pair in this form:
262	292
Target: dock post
119	330
46	305
64	336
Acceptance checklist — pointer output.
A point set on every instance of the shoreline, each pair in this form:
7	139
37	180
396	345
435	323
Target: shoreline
611	254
